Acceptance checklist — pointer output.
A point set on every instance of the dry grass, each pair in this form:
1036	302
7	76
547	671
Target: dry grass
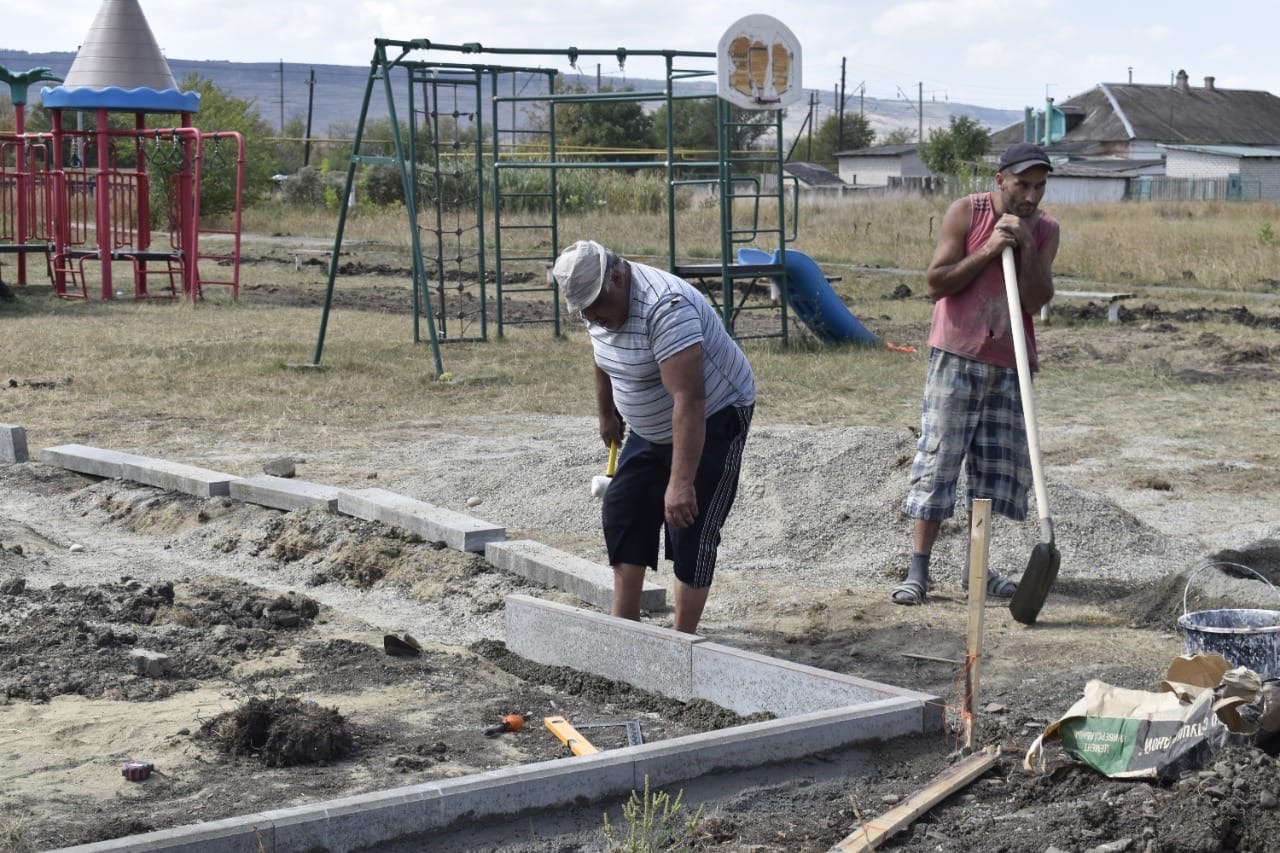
1233	247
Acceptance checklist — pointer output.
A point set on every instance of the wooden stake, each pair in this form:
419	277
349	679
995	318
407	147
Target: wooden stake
869	835
979	543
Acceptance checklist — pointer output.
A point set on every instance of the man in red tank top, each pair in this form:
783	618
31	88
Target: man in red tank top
972	413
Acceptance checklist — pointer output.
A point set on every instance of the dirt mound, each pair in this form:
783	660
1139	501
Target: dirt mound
281	731
1229	579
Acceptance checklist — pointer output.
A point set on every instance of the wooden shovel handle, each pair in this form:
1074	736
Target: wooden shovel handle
1024	387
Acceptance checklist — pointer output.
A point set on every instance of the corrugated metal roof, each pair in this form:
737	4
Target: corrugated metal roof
1117	112
880	151
813	174
1227	150
1107	169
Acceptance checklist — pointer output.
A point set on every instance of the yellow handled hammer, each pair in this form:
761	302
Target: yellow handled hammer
600	483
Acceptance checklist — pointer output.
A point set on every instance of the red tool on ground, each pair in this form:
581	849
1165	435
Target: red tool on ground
136	771
510	723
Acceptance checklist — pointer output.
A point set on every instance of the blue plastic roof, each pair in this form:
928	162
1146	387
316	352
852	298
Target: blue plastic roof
121	100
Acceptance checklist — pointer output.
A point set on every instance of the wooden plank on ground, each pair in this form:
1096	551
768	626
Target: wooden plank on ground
873	832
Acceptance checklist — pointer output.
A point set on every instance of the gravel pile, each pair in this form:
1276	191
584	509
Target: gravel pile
818	507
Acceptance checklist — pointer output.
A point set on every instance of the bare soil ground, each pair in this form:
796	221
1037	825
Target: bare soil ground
280	689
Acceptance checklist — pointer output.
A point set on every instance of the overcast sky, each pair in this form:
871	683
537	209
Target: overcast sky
996	53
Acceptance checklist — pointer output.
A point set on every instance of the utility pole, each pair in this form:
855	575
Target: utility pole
920	108
311	99
282	96
813	106
843	60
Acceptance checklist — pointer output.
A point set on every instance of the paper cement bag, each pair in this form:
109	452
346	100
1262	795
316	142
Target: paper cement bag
1134	734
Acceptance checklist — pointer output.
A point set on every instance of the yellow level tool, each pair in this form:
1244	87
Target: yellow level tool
569	736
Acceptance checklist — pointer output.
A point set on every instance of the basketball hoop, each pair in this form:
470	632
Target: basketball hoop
758	62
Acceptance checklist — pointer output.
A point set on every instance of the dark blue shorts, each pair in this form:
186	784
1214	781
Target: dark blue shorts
634	505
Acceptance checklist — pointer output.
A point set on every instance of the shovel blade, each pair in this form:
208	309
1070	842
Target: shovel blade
1033	588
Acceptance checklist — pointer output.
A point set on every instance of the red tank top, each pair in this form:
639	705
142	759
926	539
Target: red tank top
974	323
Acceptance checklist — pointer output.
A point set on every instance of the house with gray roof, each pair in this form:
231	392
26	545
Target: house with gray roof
1132	120
1207	134
878	165
1097	180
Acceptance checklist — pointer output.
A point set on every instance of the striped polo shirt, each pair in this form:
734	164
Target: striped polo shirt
668	315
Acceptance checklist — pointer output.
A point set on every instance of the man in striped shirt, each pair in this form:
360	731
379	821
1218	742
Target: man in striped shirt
666	367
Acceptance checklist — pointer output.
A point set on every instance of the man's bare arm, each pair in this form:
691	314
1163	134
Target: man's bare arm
1035	270
682	377
951	270
611	426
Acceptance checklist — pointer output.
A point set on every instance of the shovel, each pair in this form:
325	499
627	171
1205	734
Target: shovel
1042	567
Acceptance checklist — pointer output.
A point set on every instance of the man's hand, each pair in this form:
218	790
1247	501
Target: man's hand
612	429
1013	232
681	504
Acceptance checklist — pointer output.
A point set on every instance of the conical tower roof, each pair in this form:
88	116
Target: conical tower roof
120	51
120	67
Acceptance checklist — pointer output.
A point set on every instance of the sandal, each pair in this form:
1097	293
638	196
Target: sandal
998	586
910	592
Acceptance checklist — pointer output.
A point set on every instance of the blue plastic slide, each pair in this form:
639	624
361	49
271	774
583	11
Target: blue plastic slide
811	298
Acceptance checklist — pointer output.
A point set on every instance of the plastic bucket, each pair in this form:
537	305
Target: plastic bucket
1248	638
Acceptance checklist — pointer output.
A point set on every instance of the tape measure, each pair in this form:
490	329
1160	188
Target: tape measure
510	723
136	771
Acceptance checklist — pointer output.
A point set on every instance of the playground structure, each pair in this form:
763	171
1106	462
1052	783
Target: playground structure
464	179
82	197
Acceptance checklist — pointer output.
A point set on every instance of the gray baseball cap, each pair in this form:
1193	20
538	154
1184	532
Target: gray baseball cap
580	273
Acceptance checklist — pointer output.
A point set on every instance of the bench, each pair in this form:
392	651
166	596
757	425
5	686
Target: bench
701	272
1111	300
72	261
25	248
298	253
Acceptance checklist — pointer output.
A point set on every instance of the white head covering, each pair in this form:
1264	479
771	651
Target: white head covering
580	273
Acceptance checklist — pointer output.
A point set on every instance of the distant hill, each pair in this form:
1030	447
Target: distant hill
278	89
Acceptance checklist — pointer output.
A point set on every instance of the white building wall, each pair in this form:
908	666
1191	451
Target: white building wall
876	171
1074	190
1265	171
1193	164
869	171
